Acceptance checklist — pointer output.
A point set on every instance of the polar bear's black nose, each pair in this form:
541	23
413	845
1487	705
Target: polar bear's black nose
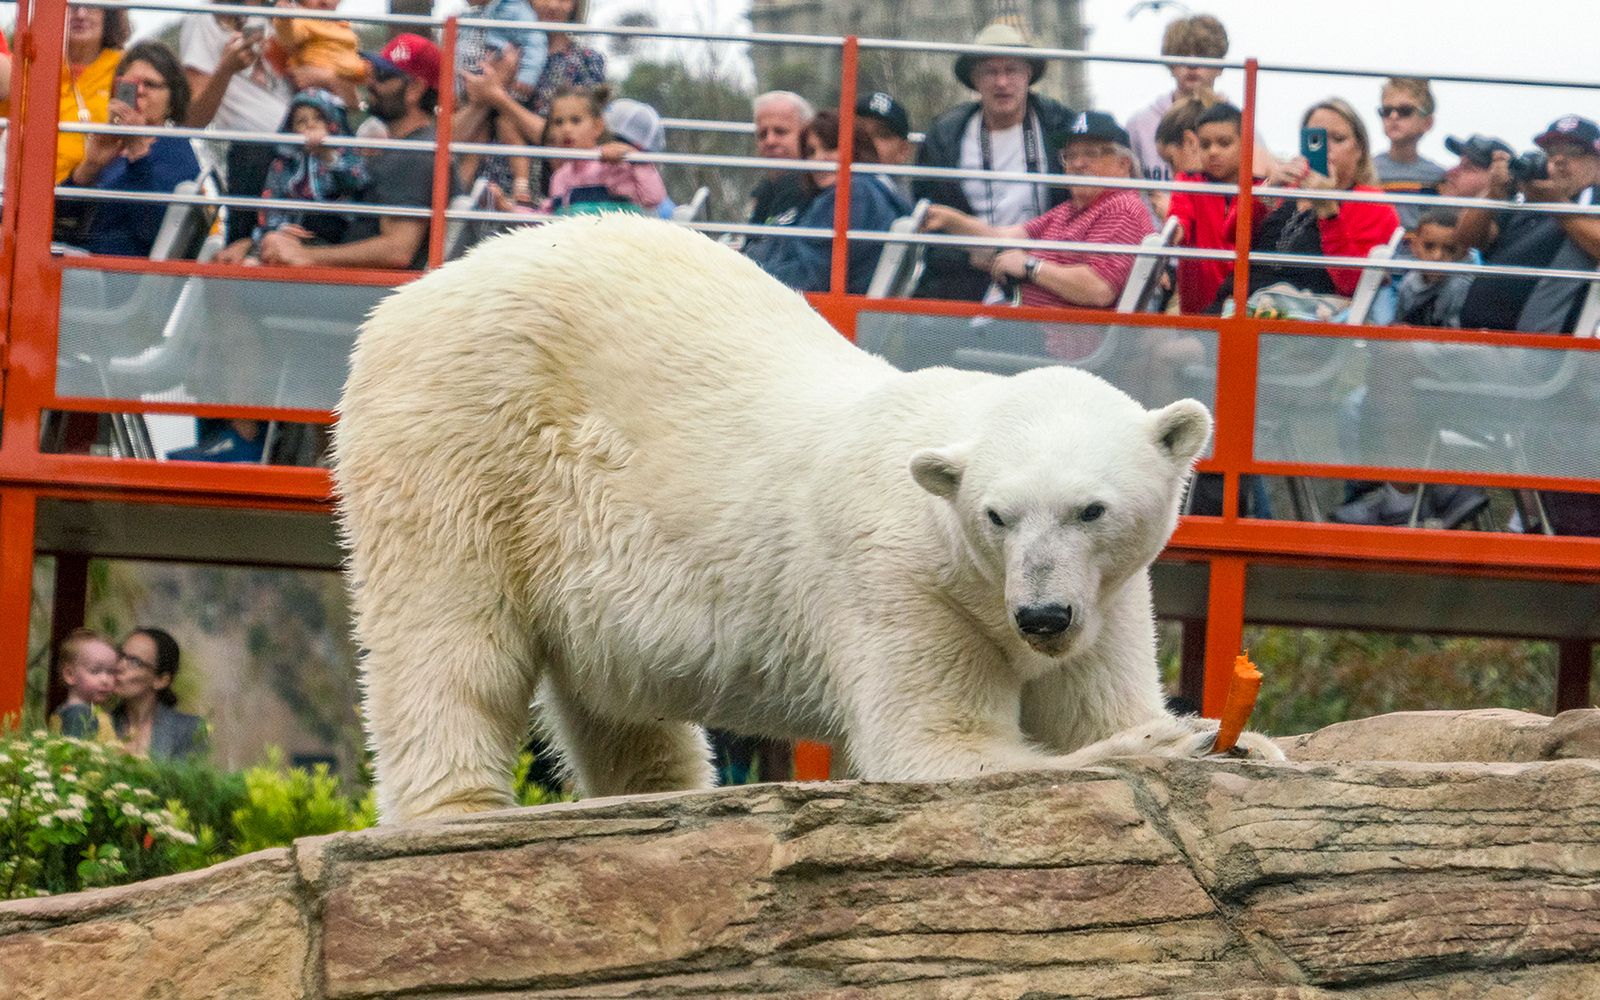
1044	620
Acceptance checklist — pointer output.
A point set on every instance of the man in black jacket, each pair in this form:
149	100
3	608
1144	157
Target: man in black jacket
1008	128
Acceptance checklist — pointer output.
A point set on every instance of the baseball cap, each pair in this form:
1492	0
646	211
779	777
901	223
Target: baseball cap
637	124
1097	125
410	55
1570	128
887	110
1480	149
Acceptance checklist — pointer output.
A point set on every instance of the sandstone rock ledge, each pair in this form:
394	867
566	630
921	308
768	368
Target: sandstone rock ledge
1146	878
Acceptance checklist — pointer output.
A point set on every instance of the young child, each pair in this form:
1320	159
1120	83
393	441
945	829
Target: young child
532	46
1432	299
1203	36
323	44
1407	114
1209	220
312	172
87	665
578	121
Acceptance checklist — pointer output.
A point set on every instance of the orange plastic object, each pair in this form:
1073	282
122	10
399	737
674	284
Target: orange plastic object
812	761
1243	687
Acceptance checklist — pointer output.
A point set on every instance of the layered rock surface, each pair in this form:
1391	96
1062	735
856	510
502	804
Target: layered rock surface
1318	878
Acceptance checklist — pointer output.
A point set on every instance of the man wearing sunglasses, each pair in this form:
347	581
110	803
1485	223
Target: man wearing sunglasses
1407	114
401	93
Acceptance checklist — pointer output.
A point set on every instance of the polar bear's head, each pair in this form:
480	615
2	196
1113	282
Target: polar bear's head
1065	488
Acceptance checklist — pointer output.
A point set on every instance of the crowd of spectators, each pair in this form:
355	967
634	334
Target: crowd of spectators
522	87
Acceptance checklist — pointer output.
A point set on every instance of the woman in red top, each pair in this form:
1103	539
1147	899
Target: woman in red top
1344	228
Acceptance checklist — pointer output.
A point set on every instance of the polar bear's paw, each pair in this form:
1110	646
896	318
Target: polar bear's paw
1174	736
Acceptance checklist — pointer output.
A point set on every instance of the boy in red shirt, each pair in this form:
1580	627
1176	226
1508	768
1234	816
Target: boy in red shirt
1209	221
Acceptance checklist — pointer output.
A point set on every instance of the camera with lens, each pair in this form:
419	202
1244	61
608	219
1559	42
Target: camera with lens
1533	165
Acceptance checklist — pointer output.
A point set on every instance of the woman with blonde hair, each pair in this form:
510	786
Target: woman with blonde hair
1321	226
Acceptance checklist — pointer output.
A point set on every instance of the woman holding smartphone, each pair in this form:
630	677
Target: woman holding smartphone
150	89
1332	133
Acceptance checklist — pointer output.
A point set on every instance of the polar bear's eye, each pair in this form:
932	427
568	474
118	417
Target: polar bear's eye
1093	512
995	519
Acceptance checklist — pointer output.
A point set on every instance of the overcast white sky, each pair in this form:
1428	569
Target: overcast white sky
1538	38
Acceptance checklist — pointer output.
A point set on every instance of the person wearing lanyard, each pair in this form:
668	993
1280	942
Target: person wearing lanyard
1008	129
94	39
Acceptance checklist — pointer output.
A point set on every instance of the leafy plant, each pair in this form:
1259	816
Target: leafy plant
284	803
79	815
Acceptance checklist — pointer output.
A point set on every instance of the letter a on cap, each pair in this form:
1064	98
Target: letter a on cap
1081	123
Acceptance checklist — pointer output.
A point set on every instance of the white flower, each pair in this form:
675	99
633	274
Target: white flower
77	801
129	809
151	819
118	786
48	819
69	815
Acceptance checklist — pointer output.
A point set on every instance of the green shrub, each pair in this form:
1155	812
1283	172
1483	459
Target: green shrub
283	803
80	815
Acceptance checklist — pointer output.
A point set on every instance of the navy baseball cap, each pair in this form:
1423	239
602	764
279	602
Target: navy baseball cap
1097	125
887	110
1480	149
1570	128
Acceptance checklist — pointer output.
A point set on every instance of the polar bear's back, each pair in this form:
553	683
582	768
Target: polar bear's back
608	301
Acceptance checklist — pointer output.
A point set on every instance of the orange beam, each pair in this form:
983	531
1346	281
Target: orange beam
442	166
1224	632
16	596
841	188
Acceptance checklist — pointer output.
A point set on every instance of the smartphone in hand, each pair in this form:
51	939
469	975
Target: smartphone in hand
127	92
1314	147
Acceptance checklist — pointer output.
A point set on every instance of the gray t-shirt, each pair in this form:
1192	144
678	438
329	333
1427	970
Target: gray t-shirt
1419	177
1553	305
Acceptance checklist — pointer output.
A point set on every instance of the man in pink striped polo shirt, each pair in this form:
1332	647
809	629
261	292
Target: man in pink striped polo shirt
1096	146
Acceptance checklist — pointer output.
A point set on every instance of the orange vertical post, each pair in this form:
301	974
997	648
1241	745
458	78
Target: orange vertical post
812	761
442	137
841	188
1236	345
1224	631
16	596
34	290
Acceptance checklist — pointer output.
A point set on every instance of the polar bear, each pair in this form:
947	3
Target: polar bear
611	464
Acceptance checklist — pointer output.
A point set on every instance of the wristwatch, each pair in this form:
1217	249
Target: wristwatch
1030	269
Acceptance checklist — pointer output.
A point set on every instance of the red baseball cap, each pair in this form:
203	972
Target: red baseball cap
410	54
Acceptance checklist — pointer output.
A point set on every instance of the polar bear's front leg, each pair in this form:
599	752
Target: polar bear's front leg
919	746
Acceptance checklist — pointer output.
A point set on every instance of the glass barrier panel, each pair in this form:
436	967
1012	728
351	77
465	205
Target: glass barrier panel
1421	405
1154	366
207	340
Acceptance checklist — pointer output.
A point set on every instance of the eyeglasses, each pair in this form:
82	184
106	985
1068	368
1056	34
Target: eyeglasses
136	661
1076	152
1398	110
144	85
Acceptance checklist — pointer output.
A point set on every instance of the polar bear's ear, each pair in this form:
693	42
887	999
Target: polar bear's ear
938	470
1182	429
